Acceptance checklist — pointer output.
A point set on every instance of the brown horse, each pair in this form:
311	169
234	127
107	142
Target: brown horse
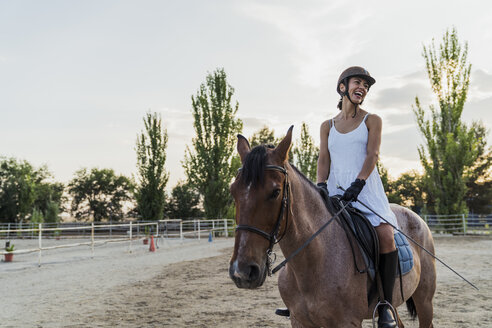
320	285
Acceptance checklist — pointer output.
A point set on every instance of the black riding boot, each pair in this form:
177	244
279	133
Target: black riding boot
387	269
282	312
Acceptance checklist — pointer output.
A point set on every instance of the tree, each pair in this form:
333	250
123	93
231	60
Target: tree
407	190
151	157
24	189
479	181
211	166
99	194
17	181
48	200
264	136
306	153
388	184
451	147
184	202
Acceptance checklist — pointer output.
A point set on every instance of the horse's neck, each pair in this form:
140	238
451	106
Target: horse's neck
308	214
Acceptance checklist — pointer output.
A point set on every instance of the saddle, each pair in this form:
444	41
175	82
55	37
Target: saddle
362	236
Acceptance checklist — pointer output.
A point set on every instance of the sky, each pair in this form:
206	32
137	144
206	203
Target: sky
77	77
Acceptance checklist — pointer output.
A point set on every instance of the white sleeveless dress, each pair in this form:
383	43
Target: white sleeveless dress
347	153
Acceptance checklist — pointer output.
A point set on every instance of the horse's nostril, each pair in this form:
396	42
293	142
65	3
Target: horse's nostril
254	272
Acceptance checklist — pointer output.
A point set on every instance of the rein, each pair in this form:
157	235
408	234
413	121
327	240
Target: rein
284	262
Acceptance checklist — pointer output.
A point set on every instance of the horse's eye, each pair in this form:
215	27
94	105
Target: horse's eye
275	193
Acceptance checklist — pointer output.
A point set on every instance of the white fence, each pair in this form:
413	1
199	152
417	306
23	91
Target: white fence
459	223
107	233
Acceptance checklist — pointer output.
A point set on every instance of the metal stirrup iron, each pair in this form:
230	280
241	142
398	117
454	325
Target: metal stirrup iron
383	303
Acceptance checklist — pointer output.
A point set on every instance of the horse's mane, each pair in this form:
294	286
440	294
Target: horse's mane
254	167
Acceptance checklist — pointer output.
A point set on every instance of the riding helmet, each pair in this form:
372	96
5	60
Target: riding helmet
351	72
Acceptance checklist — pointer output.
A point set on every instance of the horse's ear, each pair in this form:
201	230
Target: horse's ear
282	150
243	147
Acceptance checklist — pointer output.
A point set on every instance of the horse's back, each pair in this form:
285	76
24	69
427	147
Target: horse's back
414	226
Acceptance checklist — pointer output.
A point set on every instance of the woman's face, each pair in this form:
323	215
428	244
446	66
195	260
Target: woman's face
357	89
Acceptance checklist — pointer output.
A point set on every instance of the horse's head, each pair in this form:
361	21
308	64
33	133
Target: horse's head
260	194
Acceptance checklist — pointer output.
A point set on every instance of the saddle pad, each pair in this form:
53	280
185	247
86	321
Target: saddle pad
405	254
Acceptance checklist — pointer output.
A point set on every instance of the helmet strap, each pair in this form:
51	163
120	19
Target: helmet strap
346	93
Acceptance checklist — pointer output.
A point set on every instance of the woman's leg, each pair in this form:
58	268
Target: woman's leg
388	260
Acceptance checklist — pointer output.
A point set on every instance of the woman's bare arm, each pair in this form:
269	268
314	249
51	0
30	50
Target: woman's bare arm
324	156
374	125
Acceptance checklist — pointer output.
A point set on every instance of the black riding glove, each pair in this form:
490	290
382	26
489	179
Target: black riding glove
354	190
323	190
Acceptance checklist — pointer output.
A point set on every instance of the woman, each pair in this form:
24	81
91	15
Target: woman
349	150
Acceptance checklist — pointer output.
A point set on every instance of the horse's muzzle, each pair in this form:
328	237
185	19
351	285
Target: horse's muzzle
249	275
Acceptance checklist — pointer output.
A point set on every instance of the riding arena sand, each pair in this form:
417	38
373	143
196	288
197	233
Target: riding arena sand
186	284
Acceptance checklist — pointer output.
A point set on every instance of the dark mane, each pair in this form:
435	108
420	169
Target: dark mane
254	165
253	169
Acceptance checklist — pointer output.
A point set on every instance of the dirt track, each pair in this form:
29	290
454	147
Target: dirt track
200	294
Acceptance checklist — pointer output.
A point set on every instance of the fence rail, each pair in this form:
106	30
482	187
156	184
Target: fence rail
101	233
459	223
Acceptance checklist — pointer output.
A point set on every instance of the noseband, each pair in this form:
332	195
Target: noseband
273	237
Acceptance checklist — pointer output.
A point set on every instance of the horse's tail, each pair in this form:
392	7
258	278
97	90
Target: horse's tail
411	308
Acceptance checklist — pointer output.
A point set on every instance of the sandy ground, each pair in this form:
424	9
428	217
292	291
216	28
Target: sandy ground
187	285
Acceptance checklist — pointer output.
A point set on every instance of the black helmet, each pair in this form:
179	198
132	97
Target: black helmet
351	72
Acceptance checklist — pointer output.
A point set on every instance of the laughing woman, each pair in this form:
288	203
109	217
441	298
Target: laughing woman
349	150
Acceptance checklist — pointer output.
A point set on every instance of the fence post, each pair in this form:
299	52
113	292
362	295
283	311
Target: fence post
464	223
92	239
131	236
157	229
213	228
226	232
181	230
40	226
198	229
8	232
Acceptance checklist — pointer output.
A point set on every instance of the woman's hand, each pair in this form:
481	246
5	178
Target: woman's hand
352	192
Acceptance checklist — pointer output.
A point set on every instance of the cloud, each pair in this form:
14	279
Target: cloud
179	124
480	83
321	36
254	123
401	143
395	121
403	96
479	110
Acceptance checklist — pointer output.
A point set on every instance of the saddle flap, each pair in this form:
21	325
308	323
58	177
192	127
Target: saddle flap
405	254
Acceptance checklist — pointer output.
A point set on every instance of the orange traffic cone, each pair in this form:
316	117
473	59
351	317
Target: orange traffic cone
152	247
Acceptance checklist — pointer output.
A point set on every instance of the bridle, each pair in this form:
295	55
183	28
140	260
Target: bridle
273	236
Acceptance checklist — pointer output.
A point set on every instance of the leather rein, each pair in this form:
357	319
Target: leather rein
273	236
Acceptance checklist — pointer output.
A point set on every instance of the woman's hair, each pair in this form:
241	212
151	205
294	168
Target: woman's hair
340	103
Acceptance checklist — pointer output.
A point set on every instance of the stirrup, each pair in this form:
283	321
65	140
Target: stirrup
392	311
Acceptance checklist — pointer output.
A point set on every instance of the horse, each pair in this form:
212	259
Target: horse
275	202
